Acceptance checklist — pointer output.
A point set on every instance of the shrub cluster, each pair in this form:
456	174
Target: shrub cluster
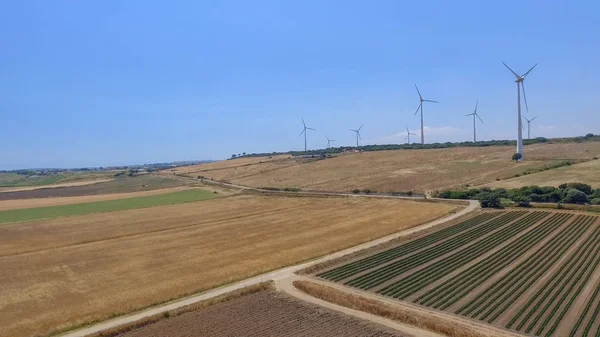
569	193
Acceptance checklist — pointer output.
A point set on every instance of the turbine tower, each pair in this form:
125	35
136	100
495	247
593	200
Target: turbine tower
329	141
475	114
421	100
357	134
520	83
305	132
408	133
529	126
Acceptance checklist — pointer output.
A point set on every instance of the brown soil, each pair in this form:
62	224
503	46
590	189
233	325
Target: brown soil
266	313
64	272
124	185
69	184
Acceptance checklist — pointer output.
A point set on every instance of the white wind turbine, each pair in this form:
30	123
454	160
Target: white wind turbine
520	82
529	126
305	132
329	141
408	133
421	108
475	114
357	134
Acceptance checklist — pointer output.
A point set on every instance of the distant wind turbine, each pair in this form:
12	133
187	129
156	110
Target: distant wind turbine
520	82
357	134
529	126
305	132
421	100
475	114
408	133
329	141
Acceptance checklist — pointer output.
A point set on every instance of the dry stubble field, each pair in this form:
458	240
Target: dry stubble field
63	272
388	171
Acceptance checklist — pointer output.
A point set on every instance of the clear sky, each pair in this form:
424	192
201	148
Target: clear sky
97	83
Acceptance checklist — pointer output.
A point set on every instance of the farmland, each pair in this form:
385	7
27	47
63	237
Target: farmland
13	180
59	273
389	171
533	272
29	214
121	185
265	313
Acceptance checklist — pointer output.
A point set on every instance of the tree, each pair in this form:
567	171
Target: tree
574	196
522	201
589	135
517	156
488	200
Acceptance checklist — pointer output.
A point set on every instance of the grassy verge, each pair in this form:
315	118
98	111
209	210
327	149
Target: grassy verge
29	214
411	317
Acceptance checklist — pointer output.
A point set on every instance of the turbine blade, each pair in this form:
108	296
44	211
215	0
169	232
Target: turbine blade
524	96
303	131
353	130
359	137
419	107
527	73
479	118
430	101
470	114
512	71
405	138
534	118
407	129
311	129
303	122
360	127
420	97
476	104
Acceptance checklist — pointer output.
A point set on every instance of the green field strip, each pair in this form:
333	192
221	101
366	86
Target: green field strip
538	299
450	292
392	270
375	260
565	286
421	279
508	288
50	212
593	300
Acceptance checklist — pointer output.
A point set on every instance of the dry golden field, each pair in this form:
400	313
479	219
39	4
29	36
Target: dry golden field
64	272
588	172
398	170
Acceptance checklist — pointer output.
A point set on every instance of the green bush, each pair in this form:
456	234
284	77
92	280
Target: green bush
356	191
522	201
488	200
574	196
367	191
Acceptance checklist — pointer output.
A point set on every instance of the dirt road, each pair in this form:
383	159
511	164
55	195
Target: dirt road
275	275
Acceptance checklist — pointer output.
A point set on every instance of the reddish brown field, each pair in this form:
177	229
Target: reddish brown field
266	313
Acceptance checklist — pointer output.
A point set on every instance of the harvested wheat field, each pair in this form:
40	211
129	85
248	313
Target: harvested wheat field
533	272
398	170
265	313
588	173
64	272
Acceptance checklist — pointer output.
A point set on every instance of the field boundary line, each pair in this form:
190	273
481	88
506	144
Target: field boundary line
274	275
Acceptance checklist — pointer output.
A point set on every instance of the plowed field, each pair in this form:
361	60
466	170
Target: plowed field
534	272
266	313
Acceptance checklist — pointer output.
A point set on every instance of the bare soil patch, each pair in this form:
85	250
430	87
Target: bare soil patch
66	272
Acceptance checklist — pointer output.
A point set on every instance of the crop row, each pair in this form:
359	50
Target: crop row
407	248
593	300
452	290
396	268
571	271
502	293
421	279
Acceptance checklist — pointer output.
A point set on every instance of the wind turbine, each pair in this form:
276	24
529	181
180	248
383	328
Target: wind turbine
421	108
475	114
408	133
357	134
529	126
305	132
520	82
329	141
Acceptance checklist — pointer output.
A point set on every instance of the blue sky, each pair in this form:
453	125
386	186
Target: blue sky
97	83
